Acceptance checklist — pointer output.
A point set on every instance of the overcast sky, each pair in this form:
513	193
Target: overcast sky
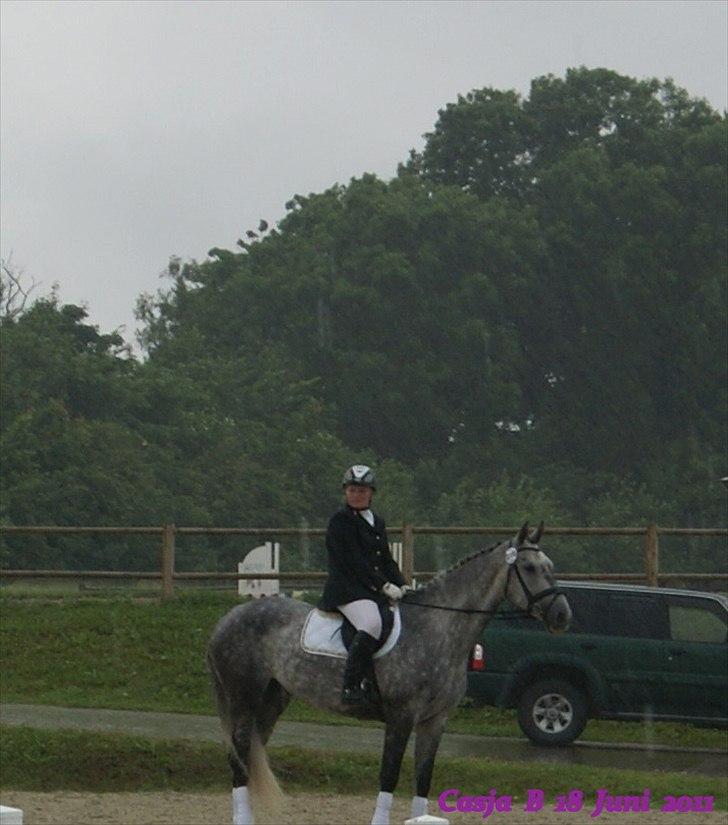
133	131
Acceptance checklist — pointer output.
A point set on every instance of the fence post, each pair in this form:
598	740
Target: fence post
168	561
652	555
408	553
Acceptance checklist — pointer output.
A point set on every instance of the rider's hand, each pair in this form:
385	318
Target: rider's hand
406	589
392	592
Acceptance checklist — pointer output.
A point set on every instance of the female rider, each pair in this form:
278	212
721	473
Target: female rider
362	575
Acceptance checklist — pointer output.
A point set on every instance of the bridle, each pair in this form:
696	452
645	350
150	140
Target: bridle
532	598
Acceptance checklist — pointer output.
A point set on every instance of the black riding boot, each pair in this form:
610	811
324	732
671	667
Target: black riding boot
357	665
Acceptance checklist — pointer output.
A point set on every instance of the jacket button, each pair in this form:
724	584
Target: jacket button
376	567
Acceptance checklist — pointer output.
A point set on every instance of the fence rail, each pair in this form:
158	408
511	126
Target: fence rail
168	532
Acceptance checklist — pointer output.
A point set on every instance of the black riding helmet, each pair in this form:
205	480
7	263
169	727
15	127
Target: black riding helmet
361	475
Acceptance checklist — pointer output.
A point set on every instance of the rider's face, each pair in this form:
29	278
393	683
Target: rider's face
358	497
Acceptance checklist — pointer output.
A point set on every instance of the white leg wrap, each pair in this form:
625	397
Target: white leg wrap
419	806
381	812
242	814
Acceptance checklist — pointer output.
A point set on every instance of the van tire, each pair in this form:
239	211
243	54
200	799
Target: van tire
552	711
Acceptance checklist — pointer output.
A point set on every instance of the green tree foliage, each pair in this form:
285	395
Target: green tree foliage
69	453
393	297
527	321
625	328
93	437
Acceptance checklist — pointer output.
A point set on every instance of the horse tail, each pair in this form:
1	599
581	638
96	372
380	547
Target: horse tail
265	792
264	787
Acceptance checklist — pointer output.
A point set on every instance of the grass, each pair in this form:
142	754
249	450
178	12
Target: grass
36	760
116	651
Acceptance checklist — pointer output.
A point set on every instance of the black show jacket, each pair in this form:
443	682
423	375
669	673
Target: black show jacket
359	561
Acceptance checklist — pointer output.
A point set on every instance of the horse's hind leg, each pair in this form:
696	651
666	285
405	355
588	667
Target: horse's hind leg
248	724
250	727
427	740
238	722
242	727
275	700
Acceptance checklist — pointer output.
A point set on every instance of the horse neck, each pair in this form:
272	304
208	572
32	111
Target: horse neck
477	584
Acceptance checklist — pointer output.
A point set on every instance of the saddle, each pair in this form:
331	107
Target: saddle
327	633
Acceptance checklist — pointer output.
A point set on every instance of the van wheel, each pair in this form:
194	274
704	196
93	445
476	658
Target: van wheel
552	712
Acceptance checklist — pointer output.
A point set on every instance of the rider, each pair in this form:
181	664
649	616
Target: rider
362	575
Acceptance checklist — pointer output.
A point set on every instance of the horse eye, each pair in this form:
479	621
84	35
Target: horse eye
530	568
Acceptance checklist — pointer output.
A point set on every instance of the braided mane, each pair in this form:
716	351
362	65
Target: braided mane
435	580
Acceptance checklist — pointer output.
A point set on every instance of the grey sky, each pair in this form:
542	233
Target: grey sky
136	131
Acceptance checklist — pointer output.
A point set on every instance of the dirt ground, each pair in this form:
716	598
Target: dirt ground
71	808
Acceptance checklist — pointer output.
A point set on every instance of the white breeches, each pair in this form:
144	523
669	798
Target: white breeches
364	615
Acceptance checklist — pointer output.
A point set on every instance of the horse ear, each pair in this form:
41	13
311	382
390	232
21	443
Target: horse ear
536	535
522	533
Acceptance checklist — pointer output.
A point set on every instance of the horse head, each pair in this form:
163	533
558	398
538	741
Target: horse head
531	585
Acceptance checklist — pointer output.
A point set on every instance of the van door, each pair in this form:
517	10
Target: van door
622	635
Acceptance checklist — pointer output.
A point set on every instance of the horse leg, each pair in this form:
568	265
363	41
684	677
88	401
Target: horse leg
396	735
248	722
275	700
427	740
238	723
241	732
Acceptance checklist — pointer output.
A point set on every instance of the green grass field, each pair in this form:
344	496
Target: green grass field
41	760
116	651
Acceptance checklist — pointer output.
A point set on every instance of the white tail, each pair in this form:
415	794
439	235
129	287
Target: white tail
265	793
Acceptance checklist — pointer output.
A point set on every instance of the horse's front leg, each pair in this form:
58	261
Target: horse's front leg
396	735
428	735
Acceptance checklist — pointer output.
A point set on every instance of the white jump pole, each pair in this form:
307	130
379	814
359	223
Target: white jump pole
10	816
427	819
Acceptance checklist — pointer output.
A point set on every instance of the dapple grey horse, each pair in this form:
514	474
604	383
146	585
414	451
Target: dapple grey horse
257	664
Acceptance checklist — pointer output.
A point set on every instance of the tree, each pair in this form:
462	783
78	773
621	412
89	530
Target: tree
14	291
391	296
530	315
626	180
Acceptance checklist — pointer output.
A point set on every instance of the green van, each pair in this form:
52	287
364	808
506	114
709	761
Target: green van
631	653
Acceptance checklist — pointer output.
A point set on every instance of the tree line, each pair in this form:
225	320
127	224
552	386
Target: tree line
528	320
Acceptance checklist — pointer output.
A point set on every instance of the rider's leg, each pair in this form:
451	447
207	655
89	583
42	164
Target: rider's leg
364	615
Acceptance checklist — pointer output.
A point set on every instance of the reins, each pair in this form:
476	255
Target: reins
505	614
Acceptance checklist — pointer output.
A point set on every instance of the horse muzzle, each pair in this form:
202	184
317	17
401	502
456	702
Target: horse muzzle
556	614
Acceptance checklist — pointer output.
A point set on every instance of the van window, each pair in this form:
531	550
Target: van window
637	615
590	611
693	620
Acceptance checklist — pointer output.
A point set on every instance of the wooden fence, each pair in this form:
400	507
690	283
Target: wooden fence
167	535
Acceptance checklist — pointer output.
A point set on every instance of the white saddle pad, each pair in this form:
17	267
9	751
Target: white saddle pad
321	634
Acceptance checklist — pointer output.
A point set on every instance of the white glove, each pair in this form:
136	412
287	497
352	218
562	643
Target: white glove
392	592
